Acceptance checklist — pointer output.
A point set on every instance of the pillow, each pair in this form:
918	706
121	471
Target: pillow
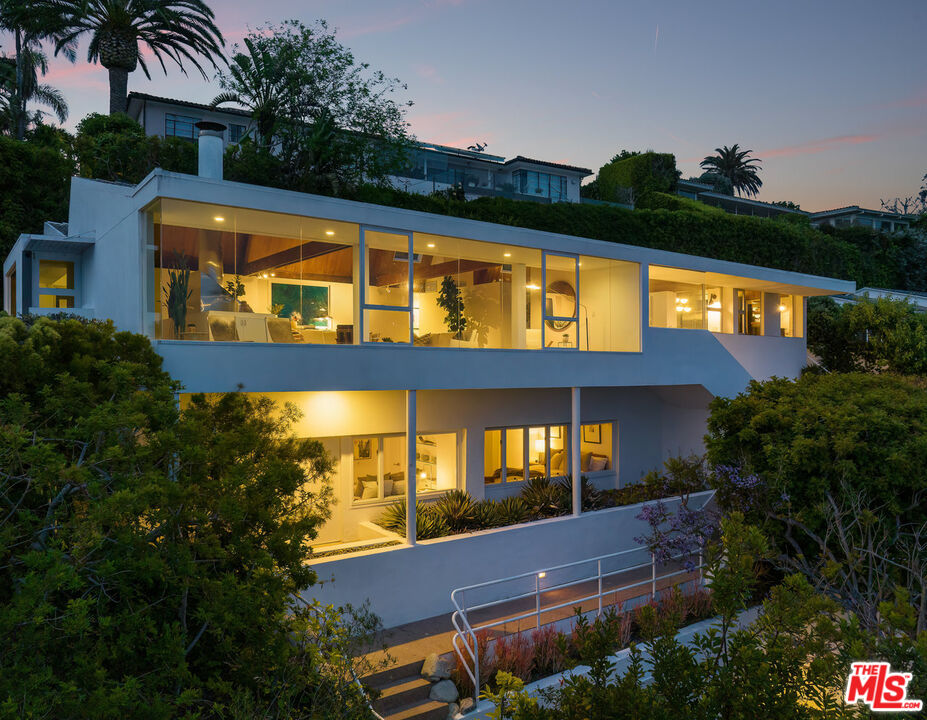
597	463
557	461
370	489
399	487
584	461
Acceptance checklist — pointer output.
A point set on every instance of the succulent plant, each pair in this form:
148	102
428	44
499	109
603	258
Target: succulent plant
544	497
487	514
457	509
428	523
513	510
592	499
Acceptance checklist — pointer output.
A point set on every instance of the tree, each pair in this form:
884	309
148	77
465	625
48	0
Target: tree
736	167
868	336
910	205
330	120
151	557
15	105
31	22
178	30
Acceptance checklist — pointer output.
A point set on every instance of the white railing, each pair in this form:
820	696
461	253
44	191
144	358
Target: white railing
464	639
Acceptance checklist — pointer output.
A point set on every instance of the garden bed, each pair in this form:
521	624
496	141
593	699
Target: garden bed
456	512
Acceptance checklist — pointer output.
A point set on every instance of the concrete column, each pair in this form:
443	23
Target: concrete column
410	466
575	464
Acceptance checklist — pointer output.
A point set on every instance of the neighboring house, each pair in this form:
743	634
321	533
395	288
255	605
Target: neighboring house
917	299
580	357
855	216
705	193
431	168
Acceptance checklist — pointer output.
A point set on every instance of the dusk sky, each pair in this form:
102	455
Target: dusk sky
830	94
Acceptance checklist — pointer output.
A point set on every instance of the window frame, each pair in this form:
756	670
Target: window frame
170	119
38	290
364	284
562	318
382	498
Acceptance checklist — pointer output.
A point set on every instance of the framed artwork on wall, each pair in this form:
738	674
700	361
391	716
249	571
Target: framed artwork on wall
592	434
362	449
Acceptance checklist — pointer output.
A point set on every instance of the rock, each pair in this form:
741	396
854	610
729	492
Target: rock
466	704
452	711
434	668
443	691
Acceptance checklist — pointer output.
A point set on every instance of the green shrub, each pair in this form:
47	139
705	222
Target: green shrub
809	437
544	497
513	510
645	173
428	523
487	515
457	510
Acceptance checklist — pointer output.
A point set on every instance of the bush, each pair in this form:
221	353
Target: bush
811	436
645	173
36	181
149	554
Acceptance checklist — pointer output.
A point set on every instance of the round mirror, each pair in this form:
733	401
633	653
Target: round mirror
561	301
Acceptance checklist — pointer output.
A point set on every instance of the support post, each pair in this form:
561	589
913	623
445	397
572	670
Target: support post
575	455
410	466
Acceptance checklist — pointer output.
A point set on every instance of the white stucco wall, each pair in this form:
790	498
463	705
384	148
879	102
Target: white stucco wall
405	583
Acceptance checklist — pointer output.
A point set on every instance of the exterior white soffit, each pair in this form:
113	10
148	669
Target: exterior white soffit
162	184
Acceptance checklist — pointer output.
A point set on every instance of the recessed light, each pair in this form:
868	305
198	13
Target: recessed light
431	245
506	254
329	232
264	275
219	218
273	274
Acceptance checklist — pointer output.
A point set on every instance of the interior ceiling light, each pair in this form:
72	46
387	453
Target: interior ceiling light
219	218
506	254
329	232
532	286
782	308
431	245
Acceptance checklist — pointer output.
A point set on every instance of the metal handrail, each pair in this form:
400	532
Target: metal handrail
465	634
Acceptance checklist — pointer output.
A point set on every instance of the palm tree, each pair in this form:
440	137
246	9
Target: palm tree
255	82
179	30
736	168
31	22
15	101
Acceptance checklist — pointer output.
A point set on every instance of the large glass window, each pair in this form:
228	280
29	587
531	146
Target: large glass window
236	132
539	184
561	302
379	468
791	321
387	297
252	276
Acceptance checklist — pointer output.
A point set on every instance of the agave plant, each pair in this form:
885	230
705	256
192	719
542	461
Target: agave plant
428	523
544	497
487	514
514	510
457	509
176	294
592	499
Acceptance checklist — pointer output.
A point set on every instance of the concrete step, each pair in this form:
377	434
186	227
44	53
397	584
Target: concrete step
402	693
427	710
393	674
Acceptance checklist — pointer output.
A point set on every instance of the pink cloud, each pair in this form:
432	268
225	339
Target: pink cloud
817	146
429	72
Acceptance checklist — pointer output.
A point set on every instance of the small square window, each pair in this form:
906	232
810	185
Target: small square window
56	275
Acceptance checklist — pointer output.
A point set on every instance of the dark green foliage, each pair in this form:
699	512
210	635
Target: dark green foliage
428	523
808	437
545	497
457	509
116	148
867	258
513	510
735	168
450	299
591	498
151	554
487	515
869	336
644	173
35	178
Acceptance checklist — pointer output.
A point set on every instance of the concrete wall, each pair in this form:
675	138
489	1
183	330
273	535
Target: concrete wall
405	584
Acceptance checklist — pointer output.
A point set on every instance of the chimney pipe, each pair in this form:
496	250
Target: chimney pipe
211	147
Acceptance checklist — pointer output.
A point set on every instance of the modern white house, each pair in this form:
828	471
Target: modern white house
432	167
579	357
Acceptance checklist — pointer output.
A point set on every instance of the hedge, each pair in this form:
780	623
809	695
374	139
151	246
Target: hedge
645	173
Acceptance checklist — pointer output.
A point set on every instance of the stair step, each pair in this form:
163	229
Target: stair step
429	710
392	674
402	693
